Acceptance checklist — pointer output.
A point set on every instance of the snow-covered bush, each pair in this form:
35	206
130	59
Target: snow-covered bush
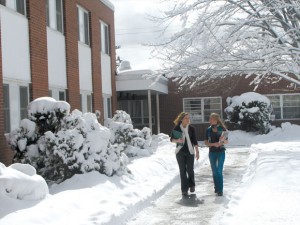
60	144
250	112
134	142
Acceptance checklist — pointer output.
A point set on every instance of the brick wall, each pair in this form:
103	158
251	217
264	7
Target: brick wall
172	104
71	35
100	11
36	13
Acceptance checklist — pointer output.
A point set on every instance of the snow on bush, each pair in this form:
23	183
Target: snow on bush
133	142
20	181
60	144
249	112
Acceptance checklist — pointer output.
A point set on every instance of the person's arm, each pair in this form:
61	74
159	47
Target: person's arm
224	138
197	156
208	144
176	140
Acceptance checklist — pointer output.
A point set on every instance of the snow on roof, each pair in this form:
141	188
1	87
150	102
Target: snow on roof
108	4
134	74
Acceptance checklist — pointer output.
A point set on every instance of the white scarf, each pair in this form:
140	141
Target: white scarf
185	135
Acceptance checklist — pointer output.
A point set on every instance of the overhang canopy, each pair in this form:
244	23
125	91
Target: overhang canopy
141	80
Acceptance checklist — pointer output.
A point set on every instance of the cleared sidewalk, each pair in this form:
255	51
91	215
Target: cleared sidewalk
203	207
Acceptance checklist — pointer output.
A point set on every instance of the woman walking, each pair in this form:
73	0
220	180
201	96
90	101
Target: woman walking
215	138
184	135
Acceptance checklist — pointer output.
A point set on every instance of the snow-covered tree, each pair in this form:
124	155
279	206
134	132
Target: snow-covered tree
250	112
134	142
218	38
60	144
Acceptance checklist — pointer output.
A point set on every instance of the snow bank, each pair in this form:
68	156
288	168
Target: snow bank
20	181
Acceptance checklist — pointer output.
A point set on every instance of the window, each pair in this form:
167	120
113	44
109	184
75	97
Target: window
17	5
47	13
109	115
81	102
138	111
62	95
59	16
201	108
20	6
89	103
104	38
83	26
23	101
107	107
6	108
54	10
286	106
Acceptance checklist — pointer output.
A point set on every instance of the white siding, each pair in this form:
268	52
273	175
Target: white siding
56	59
106	74
15	45
85	67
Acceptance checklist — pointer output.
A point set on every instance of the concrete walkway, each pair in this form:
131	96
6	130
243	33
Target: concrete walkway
203	207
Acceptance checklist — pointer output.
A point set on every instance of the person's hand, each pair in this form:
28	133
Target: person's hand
222	139
197	156
180	140
216	144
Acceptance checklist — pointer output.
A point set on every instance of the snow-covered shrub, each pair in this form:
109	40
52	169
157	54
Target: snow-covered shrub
250	112
60	144
134	142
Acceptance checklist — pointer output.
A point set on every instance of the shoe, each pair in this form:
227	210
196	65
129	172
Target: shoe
192	189
184	194
220	193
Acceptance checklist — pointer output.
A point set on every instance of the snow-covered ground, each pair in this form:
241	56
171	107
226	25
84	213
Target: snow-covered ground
266	195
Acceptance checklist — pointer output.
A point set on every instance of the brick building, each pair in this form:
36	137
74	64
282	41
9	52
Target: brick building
210	96
64	49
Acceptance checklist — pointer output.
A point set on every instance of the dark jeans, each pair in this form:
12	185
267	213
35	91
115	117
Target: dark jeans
186	168
217	162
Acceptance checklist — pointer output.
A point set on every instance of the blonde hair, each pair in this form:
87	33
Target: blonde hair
217	117
179	118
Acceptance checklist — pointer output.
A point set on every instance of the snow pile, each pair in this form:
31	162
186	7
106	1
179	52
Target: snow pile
20	181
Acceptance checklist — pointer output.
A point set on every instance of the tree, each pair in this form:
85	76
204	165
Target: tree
250	112
223	37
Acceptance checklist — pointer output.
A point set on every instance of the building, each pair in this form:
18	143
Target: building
209	96
139	93
59	48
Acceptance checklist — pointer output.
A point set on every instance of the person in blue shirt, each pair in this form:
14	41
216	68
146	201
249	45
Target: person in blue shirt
184	135
215	138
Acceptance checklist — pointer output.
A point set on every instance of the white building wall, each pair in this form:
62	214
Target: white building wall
106	74
57	73
85	67
15	45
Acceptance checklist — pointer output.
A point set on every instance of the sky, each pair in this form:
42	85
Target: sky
134	31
